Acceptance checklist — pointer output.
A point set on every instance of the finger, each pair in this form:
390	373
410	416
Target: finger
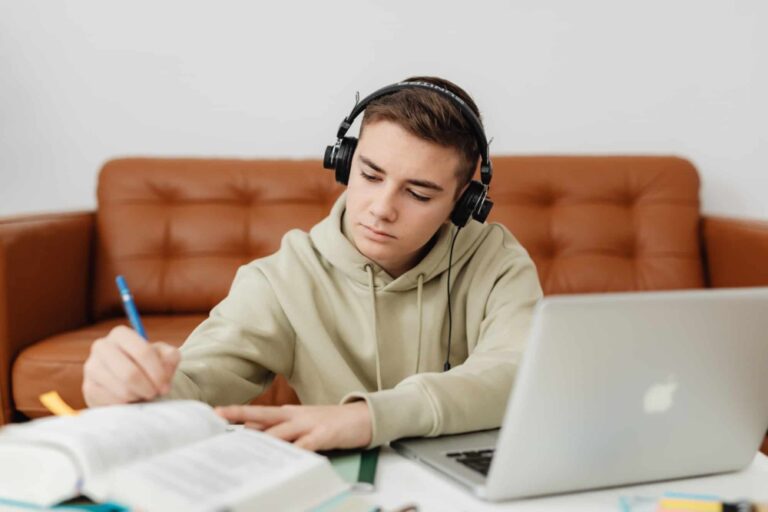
169	354
97	368
146	357
97	395
255	425
122	331
287	431
170	357
311	441
266	415
95	372
250	414
126	374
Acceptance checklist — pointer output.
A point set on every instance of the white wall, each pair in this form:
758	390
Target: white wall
85	81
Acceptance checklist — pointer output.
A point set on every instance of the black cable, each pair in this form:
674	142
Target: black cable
447	365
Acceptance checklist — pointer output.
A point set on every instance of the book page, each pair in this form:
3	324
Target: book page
104	437
220	472
34	474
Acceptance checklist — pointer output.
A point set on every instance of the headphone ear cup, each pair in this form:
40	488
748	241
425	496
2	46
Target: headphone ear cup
343	161
467	203
482	212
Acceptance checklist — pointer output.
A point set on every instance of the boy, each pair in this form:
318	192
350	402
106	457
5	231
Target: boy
356	312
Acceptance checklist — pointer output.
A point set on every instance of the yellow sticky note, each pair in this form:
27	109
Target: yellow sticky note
54	403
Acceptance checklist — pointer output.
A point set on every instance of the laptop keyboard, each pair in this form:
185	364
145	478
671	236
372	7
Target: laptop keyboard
478	460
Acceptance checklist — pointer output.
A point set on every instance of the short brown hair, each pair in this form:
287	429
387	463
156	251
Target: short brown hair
433	117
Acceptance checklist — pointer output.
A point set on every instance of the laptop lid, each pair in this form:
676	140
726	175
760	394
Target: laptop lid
632	387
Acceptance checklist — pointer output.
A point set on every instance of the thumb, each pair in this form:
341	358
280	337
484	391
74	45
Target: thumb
170	356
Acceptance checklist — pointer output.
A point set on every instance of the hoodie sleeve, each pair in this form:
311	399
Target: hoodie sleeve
473	395
233	355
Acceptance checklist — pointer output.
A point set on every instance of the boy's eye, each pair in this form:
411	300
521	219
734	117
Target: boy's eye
419	197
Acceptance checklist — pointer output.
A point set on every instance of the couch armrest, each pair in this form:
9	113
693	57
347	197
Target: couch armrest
735	252
45	263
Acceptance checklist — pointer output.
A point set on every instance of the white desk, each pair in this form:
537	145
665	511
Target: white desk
400	481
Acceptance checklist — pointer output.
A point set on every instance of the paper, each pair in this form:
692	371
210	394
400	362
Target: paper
104	437
209	474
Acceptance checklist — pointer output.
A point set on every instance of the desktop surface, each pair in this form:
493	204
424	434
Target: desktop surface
400	481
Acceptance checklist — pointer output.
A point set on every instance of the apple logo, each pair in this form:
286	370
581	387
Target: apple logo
659	397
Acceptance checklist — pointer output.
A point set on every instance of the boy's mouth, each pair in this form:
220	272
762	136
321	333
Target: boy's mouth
377	232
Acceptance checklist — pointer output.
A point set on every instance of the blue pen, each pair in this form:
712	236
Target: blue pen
130	307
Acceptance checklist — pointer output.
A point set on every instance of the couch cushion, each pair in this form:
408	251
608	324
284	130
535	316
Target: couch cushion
56	363
600	224
178	229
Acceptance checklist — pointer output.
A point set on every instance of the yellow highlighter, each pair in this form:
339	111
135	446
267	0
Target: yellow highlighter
692	505
54	403
679	503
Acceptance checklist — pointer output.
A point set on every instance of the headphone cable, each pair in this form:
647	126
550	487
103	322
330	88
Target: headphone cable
447	365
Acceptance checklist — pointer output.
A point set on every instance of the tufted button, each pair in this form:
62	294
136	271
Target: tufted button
547	249
244	194
547	199
630	249
629	198
551	250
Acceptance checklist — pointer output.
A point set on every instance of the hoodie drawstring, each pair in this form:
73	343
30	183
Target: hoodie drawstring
419	304
372	289
418	307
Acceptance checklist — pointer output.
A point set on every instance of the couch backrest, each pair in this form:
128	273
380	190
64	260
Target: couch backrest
177	229
601	224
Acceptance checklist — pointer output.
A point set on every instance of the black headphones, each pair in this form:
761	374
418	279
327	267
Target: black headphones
474	202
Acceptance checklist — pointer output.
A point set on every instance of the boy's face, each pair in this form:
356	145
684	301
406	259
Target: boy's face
401	190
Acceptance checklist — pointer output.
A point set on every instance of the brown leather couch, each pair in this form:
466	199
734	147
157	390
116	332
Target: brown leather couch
177	229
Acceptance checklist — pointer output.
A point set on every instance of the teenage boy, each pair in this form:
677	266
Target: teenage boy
356	313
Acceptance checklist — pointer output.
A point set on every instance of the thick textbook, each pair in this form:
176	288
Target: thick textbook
174	455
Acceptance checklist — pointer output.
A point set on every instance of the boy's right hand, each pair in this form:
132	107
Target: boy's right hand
123	368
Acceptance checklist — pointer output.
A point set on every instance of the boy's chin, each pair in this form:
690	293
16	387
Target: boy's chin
374	251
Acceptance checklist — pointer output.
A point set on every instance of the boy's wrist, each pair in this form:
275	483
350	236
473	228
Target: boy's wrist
362	421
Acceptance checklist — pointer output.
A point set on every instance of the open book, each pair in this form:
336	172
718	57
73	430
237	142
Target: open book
175	455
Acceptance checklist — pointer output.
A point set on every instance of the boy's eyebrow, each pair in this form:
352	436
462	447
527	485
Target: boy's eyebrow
419	183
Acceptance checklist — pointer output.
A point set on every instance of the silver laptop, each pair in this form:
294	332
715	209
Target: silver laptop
622	388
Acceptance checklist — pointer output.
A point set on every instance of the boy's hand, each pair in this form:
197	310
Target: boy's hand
313	427
123	368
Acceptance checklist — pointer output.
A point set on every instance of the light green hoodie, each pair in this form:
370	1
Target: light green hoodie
341	329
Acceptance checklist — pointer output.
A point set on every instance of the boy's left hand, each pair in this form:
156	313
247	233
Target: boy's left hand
313	427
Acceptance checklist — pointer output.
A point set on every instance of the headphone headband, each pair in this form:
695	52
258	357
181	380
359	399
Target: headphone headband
477	127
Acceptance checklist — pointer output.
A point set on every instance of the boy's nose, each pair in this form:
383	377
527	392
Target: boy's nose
383	207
